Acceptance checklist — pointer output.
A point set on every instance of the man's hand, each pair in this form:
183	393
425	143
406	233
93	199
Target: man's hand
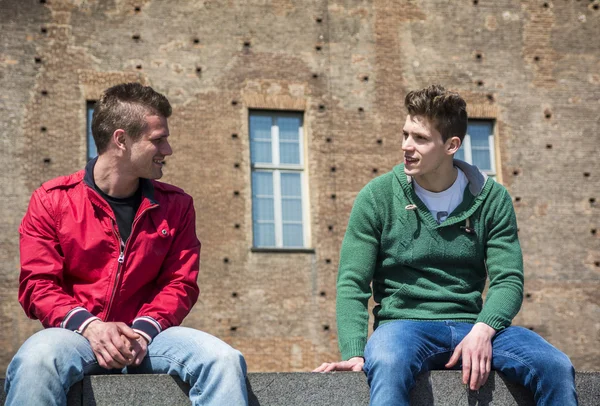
353	364
476	351
108	344
139	349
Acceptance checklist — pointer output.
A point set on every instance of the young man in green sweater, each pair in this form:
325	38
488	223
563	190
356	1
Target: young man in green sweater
423	239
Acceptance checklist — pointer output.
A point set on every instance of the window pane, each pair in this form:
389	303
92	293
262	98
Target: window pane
289	128
289	152
289	139
263	213
262	184
481	159
291	185
292	235
91	145
291	209
260	139
264	234
261	152
263	209
479	132
480	144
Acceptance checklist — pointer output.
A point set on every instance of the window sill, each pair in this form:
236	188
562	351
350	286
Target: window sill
274	250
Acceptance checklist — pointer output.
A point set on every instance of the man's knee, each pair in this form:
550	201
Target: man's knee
229	357
558	364
225	357
392	360
538	356
43	345
50	348
205	349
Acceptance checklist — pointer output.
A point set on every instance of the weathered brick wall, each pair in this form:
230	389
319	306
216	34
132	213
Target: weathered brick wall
532	66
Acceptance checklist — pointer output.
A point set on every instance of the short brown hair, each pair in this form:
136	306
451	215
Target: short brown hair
124	107
446	110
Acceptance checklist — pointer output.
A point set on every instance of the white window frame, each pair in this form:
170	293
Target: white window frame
468	151
276	168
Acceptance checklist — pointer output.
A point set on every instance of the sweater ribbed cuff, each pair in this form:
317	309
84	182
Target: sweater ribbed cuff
147	327
353	348
78	319
494	321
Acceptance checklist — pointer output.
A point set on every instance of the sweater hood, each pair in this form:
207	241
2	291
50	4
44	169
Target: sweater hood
478	189
475	177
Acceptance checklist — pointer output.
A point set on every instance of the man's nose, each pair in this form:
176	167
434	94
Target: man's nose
166	149
407	144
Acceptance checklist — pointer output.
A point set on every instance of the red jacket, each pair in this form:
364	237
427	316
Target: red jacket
73	267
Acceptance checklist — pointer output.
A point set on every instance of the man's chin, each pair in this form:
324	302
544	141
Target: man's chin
156	174
411	171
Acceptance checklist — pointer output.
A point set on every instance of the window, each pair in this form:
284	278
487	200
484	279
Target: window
91	146
478	146
279	203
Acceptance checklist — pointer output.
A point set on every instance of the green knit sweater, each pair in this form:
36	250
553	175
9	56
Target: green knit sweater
419	270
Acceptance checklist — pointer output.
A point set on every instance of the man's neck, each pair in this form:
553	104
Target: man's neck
112	179
442	179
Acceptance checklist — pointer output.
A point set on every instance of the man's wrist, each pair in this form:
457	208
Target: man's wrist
81	330
485	328
77	319
147	327
143	335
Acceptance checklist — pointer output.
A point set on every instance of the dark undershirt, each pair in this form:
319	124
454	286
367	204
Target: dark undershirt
124	209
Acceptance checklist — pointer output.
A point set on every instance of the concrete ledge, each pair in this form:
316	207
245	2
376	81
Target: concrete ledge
441	388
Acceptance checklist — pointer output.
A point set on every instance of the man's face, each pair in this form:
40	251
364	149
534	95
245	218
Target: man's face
423	147
149	151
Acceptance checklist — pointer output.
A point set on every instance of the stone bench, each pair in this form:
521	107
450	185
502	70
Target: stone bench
331	389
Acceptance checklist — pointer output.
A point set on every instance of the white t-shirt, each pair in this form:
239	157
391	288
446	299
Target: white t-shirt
442	204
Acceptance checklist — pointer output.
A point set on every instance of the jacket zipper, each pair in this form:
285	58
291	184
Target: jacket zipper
120	261
121	258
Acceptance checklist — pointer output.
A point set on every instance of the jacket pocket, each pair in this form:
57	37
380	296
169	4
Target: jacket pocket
162	239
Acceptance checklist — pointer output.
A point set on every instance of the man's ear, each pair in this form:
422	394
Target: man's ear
452	145
119	139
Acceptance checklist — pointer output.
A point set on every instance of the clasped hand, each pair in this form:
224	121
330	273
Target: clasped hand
115	344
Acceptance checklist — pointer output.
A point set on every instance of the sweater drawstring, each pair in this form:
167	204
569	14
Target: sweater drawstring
467	226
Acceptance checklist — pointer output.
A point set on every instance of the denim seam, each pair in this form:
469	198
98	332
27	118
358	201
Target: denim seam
453	333
87	364
173	360
531	369
428	357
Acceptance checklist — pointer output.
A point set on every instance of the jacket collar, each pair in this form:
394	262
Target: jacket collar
146	184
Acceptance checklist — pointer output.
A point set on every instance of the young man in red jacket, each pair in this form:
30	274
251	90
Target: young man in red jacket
109	263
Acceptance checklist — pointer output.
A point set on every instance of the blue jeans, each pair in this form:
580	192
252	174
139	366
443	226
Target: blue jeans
400	350
52	360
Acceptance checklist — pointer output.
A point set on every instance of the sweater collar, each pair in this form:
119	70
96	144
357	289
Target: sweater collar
475	177
476	192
